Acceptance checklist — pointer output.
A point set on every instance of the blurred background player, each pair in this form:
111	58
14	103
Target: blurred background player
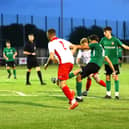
96	61
111	45
9	54
30	52
61	48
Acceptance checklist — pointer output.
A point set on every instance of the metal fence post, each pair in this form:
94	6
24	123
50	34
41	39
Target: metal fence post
124	30
71	21
83	22
32	19
94	22
116	28
46	23
17	19
106	22
59	26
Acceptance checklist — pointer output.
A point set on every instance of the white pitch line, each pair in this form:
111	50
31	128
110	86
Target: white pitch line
20	93
17	92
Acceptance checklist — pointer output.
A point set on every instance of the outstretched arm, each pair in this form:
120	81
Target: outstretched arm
125	46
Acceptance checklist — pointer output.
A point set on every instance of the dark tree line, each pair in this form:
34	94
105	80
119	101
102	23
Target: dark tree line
81	32
17	34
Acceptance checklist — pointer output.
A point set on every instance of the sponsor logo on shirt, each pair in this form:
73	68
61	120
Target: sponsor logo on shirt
110	47
112	43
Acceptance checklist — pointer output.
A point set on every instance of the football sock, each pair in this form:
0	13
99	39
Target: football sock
79	88
116	86
71	75
102	83
40	76
14	72
67	92
88	84
9	71
108	85
27	77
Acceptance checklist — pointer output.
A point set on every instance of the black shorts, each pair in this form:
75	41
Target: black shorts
89	69
10	64
108	70
32	62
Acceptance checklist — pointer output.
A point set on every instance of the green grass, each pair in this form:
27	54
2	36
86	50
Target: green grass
45	107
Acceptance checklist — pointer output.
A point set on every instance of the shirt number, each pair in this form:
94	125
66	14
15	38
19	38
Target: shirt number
62	45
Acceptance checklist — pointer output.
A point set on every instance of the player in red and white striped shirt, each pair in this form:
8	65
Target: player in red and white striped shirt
61	49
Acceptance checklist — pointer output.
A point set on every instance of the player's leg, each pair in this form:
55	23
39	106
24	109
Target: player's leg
116	81
98	80
9	72
108	81
40	75
79	88
63	75
68	93
108	87
74	73
88	85
8	69
116	87
28	76
89	71
14	69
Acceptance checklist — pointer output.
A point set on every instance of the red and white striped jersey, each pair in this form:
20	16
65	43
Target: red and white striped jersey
61	48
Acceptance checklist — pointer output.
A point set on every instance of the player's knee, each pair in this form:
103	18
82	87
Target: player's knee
108	77
29	70
37	68
78	78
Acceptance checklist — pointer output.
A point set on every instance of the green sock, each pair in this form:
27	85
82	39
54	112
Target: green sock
71	75
116	86
14	72
108	85
79	88
9	71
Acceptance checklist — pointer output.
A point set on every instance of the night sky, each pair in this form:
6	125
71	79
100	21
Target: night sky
90	9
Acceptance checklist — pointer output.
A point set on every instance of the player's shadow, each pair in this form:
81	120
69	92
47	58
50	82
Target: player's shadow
29	104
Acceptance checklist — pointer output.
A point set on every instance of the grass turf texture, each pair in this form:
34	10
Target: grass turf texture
45	107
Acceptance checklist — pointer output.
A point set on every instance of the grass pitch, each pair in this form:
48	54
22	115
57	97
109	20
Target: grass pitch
45	107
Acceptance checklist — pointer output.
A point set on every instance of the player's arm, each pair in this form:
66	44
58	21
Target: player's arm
5	57
29	53
47	63
15	53
74	48
111	66
125	46
122	45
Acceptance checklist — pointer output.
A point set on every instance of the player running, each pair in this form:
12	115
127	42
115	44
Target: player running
96	61
111	44
30	52
9	55
61	48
